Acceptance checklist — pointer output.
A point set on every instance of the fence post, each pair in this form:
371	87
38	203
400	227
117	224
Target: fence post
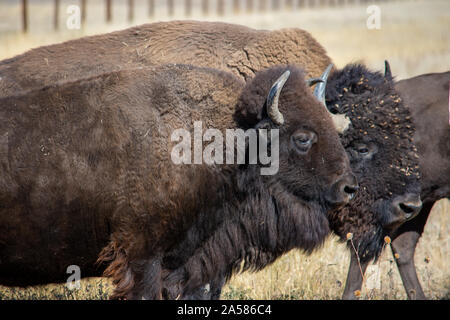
275	4
249	6
170	7
130	10
151	7
236	6
290	4
220	7
83	12
262	5
205	7
56	15
187	7
108	11
24	15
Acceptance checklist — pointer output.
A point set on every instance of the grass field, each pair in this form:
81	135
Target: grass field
414	37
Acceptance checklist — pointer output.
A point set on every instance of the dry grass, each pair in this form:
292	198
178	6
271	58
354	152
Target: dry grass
298	276
322	275
413	36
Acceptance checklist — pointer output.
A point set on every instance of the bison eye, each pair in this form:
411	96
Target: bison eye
303	140
363	150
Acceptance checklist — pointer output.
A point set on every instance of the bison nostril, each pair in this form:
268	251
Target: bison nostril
406	208
409	208
350	189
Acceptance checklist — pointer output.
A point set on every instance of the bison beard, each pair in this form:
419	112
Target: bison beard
249	234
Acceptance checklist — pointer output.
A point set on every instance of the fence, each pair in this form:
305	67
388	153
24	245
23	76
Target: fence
237	6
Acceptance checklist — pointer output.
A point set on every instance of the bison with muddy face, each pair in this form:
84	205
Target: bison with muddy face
426	97
390	198
86	167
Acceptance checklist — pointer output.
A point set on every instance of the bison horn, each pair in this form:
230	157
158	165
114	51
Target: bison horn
272	99
387	70
341	121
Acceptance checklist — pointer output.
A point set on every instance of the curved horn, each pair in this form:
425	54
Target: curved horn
387	70
341	121
319	90
272	99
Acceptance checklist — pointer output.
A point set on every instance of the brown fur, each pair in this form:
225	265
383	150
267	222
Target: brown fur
237	49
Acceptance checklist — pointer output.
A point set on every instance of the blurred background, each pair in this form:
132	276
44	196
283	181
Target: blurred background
414	35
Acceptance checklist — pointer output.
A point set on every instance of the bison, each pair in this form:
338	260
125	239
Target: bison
86	167
426	96
379	140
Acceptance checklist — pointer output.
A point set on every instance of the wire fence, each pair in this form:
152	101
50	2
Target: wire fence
187	7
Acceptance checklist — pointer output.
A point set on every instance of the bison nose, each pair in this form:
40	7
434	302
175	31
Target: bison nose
350	189
343	190
407	206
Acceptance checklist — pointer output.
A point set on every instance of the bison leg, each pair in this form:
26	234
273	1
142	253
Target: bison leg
354	277
403	247
210	291
216	288
147	280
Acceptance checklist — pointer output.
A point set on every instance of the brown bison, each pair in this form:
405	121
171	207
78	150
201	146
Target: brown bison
379	139
85	166
426	96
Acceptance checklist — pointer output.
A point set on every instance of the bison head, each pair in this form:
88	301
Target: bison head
382	155
313	164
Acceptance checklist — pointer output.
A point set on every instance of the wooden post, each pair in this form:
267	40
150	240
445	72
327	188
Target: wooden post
236	6
56	15
130	10
25	15
290	4
170	7
83	12
205	7
187	7
249	6
220	7
275	4
108	10
262	5
151	8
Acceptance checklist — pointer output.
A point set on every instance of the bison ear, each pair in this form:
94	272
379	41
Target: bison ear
387	71
272	99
